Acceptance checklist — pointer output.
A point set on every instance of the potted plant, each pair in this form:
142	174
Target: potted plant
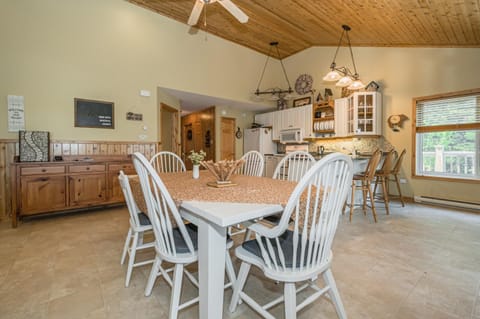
196	158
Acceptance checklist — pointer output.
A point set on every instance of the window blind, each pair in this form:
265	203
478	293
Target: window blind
457	112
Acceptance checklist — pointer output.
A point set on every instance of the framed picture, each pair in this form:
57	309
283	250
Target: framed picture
303	101
33	146
95	114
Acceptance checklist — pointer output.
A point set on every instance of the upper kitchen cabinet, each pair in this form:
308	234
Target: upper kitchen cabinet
265	119
341	125
323	119
364	113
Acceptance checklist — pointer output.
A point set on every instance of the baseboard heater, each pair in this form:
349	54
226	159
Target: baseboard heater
446	202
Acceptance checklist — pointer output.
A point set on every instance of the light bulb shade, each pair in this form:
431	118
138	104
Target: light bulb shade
356	85
345	81
332	76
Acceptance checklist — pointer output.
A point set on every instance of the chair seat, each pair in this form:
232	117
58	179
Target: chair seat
144	220
359	176
286	243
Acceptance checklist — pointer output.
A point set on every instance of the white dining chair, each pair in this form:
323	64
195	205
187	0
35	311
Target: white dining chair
175	242
253	165
167	162
299	253
293	166
139	224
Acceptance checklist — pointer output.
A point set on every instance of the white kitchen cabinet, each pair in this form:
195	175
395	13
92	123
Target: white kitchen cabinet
308	126
340	110
277	125
364	113
266	119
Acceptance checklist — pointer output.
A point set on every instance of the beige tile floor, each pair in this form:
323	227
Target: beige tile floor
419	262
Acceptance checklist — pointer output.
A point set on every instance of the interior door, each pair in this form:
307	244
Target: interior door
227	138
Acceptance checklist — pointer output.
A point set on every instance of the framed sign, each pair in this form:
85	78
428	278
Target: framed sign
302	101
95	114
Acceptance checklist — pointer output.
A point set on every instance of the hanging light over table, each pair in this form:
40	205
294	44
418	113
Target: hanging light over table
275	93
343	76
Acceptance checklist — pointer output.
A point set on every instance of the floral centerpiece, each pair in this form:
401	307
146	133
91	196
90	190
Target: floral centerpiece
196	158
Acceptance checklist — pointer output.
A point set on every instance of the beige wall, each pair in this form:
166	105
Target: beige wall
404	73
53	51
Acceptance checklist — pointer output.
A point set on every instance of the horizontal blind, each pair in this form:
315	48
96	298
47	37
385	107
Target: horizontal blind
459	110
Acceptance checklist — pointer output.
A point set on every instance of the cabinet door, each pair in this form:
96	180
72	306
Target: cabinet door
115	193
87	189
266	119
277	125
308	121
42	194
341	118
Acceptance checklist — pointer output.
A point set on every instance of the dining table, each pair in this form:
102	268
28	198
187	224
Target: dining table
213	209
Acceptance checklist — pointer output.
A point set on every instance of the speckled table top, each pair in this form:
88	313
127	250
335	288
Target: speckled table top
248	189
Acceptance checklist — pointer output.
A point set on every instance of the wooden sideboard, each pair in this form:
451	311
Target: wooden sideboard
39	188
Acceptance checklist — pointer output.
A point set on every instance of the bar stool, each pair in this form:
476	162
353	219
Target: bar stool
381	176
396	171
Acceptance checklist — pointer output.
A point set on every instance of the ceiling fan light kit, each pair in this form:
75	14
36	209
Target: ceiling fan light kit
343	76
227	4
275	93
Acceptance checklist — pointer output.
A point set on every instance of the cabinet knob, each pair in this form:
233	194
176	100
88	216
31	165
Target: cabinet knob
88	168
43	170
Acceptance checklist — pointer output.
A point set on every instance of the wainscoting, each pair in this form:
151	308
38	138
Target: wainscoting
69	150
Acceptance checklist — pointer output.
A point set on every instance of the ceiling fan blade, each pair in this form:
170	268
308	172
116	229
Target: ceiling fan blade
234	10
197	9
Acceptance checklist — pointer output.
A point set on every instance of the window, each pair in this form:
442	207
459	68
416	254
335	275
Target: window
447	136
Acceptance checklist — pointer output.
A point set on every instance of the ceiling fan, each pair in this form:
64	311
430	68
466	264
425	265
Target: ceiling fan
227	4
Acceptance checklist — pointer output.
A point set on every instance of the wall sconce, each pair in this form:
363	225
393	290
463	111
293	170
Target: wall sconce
275	93
343	75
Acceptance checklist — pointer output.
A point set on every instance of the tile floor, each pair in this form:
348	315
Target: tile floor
419	262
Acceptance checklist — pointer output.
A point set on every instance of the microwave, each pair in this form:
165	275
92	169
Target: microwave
294	135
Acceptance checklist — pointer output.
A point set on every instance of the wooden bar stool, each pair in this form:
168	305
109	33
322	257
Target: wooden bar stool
382	175
396	171
363	182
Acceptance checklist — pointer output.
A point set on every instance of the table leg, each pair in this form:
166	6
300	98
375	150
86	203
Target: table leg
211	268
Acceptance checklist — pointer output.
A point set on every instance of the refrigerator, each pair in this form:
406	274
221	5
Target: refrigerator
259	139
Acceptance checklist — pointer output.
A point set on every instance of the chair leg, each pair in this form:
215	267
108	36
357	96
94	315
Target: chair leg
229	268
385	194
399	190
176	290
153	276
352	200
290	296
334	294
376	183
238	287
125	247
372	200
131	258
364	192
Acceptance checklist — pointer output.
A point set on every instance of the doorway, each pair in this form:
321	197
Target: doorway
169	134
227	138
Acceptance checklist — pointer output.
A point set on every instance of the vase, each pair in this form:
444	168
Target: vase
196	171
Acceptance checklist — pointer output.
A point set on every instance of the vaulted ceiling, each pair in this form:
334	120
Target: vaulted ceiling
300	24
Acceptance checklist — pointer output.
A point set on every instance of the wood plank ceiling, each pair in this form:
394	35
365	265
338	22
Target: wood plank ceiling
300	24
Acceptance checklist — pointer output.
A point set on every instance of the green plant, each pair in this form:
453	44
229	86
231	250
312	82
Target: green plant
196	158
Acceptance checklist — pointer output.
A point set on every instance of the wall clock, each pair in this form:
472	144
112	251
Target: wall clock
239	134
303	85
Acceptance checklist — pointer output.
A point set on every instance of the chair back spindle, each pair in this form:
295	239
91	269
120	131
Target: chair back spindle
167	162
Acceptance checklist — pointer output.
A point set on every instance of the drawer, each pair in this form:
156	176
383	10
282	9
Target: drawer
42	170
86	168
123	167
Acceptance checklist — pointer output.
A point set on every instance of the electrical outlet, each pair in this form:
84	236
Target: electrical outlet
403	181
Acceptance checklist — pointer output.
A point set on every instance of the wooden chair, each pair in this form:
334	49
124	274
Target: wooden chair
167	162
175	242
396	171
363	182
139	224
254	163
382	175
299	253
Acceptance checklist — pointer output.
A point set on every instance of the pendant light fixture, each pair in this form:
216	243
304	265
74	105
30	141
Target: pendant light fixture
343	76
275	93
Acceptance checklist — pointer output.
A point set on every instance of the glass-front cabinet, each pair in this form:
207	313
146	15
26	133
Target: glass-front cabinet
364	113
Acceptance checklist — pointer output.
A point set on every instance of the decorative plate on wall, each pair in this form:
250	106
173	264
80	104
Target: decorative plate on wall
303	85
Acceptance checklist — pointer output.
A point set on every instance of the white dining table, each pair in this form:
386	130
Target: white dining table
213	210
